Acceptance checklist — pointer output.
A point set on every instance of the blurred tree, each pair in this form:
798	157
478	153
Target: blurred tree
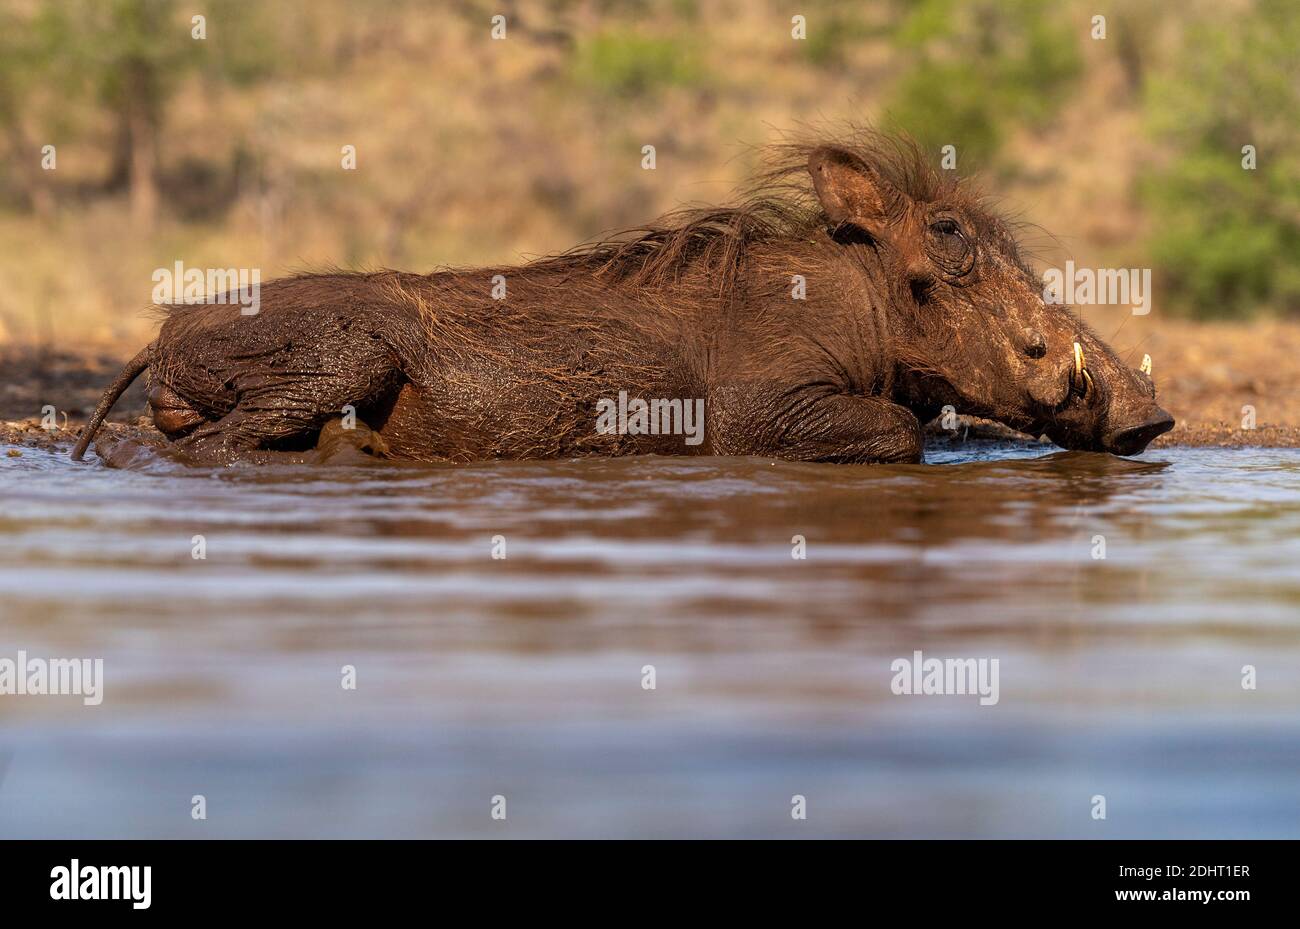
63	65
628	63
135	51
1226	238
122	55
27	44
981	68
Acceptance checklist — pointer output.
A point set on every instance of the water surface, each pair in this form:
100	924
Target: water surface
523	676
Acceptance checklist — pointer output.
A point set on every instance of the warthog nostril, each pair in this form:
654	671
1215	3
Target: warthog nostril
1131	440
1035	344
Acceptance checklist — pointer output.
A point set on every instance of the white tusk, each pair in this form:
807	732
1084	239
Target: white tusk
1146	365
1078	362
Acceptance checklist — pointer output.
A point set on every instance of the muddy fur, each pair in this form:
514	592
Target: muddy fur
917	297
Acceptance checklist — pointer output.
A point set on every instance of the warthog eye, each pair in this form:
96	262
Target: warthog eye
949	248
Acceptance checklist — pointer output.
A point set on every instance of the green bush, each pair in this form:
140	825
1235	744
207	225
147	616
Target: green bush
981	69
1226	240
830	37
630	64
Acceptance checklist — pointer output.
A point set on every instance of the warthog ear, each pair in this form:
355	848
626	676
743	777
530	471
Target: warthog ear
850	191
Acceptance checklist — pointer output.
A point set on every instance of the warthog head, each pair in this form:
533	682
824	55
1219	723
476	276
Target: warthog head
969	324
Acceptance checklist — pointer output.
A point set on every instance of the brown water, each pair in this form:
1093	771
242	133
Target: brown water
522	677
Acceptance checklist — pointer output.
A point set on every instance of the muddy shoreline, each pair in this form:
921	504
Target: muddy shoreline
1212	377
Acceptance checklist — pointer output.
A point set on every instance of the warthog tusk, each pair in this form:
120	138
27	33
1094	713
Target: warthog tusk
1081	375
1146	365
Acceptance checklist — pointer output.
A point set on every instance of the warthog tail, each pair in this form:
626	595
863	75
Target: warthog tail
111	395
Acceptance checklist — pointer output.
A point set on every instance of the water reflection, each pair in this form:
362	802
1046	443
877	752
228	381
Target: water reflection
1120	674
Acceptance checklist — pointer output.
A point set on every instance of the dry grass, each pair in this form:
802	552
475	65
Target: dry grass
471	151
478	152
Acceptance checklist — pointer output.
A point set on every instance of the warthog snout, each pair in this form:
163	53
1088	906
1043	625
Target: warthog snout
1112	407
1133	439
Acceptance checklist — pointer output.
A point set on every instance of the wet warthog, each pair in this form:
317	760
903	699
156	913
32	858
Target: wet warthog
852	295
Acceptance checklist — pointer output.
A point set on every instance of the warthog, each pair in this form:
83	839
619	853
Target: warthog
848	299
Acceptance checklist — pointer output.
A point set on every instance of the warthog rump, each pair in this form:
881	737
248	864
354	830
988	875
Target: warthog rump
853	294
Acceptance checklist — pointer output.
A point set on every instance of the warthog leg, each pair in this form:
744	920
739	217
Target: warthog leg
850	429
285	410
815	424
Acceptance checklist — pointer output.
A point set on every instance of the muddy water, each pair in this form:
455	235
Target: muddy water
523	677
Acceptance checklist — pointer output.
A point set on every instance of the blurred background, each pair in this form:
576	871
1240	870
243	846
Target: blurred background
226	151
